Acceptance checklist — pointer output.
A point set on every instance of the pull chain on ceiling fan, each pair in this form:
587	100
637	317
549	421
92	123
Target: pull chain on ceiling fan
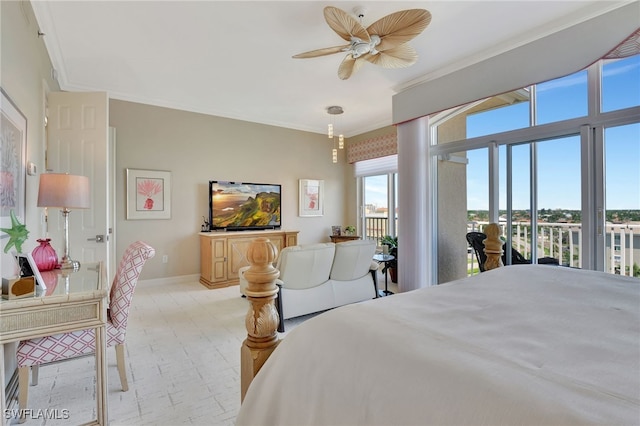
383	43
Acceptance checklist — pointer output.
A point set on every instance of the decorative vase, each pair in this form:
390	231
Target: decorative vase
45	256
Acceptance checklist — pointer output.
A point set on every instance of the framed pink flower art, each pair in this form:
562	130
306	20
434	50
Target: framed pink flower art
148	194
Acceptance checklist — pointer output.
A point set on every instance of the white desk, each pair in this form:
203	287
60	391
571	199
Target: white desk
74	300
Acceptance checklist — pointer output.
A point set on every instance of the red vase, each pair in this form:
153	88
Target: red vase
45	256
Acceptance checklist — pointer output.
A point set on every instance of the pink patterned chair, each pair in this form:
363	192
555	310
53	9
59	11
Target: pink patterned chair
32	353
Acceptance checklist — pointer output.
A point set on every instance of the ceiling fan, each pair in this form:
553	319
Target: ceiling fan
383	43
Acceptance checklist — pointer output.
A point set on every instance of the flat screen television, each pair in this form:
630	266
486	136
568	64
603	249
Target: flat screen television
240	206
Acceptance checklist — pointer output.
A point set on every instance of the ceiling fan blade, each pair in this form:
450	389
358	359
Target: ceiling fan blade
399	27
399	57
321	52
344	25
349	66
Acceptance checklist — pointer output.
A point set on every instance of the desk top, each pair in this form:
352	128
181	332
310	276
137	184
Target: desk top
64	285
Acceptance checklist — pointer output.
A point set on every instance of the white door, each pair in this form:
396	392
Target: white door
78	135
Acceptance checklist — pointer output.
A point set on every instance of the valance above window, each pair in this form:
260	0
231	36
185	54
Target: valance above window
629	47
552	56
377	147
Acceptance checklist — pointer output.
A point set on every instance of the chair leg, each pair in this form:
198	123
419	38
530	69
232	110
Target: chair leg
35	369
23	391
122	370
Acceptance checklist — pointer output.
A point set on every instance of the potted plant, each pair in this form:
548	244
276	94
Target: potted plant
349	230
392	243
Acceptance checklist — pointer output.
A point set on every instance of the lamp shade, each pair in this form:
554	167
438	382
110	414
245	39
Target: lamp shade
63	191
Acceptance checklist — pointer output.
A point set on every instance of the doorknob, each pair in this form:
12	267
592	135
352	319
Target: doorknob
97	239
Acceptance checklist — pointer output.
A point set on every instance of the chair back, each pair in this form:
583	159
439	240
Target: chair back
353	259
124	283
305	266
475	240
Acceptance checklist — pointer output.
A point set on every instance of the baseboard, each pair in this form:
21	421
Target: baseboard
170	280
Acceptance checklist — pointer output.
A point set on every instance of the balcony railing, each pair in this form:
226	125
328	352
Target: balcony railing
563	241
376	227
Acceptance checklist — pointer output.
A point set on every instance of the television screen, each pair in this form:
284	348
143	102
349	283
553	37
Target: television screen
241	205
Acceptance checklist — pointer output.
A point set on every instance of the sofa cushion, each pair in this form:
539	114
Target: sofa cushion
305	266
352	259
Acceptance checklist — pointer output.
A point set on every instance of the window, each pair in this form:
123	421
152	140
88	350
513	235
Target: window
562	98
505	112
620	83
378	183
542	172
376	206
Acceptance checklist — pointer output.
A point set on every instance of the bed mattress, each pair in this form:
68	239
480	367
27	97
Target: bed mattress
525	344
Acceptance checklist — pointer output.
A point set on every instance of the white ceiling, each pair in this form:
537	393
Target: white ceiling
233	58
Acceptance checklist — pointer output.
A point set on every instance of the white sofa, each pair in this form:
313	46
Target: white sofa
322	276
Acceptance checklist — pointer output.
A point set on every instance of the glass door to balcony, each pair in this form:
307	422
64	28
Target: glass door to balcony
376	206
622	200
559	207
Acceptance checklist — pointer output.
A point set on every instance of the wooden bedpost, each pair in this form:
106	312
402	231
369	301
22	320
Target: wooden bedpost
492	247
262	318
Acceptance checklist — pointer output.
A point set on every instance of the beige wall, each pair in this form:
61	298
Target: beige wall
25	71
196	148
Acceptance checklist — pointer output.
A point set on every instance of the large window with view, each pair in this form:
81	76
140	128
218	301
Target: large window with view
376	206
377	183
536	159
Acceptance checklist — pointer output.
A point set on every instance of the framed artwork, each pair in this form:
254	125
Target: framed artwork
336	230
311	197
28	268
148	194
13	151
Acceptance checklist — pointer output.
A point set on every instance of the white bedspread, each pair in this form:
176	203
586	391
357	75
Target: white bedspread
523	344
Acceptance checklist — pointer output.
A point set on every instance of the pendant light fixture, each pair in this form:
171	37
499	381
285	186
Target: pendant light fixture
334	112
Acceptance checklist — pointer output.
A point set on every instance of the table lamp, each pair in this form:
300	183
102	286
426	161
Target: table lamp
64	191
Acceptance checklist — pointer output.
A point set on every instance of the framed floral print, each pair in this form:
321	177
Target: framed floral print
311	197
148	194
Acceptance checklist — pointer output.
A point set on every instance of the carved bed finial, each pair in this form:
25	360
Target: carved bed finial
262	317
492	247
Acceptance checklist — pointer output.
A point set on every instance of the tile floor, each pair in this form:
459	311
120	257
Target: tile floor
183	362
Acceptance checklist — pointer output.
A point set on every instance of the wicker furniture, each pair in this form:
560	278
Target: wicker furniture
59	347
74	301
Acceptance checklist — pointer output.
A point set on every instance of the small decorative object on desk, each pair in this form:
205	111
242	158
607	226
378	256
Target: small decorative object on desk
335	230
349	230
45	256
17	234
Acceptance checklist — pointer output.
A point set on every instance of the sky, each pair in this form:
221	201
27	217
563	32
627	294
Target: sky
559	159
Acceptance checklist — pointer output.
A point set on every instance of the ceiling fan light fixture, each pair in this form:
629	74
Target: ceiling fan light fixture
383	43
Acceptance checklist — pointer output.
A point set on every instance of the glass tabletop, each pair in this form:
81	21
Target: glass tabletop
383	257
59	282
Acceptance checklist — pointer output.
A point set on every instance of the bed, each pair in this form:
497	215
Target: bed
523	344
